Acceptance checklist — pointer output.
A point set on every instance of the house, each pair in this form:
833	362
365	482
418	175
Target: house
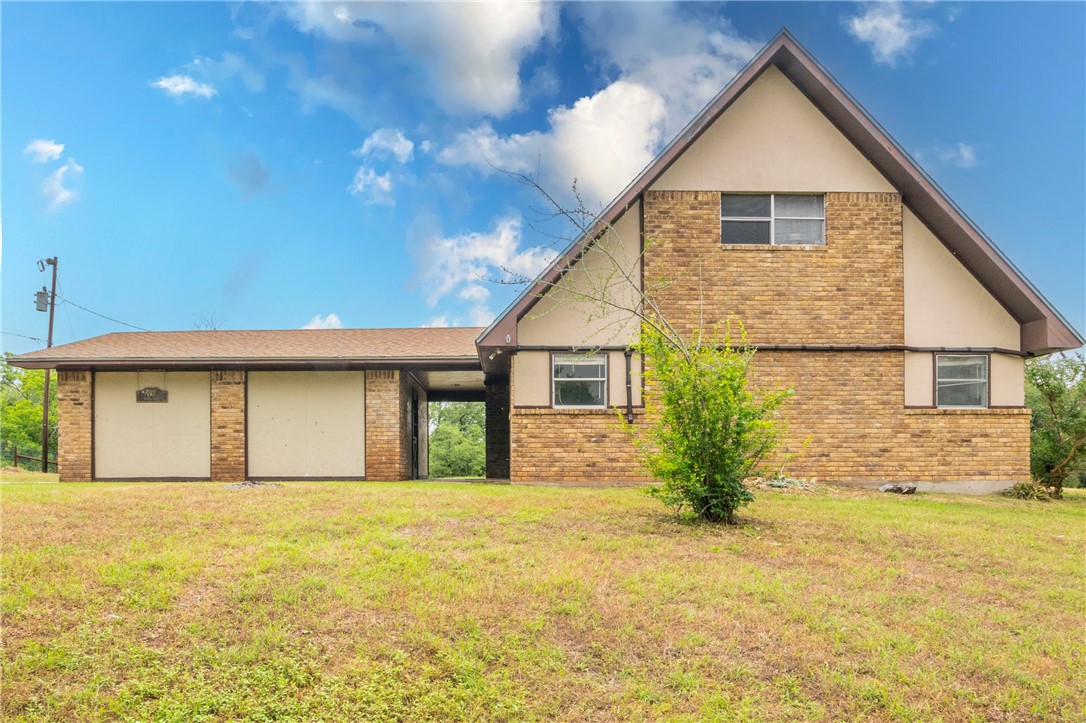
901	327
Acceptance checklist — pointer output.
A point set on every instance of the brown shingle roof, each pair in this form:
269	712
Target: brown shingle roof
267	347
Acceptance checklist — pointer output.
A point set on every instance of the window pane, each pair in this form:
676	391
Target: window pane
962	394
568	393
744	206
798	207
797	232
962	367
578	371
744	232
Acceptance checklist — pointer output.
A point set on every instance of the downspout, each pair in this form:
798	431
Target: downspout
629	387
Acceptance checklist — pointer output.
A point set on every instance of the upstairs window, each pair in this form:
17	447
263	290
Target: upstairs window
579	380
961	380
772	219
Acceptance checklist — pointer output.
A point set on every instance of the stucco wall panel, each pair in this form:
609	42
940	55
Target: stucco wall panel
945	306
152	440
306	424
1008	379
772	139
531	379
559	320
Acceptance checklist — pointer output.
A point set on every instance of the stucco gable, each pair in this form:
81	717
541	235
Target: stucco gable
772	139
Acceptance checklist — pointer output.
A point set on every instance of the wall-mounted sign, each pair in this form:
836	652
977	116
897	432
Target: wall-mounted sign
152	394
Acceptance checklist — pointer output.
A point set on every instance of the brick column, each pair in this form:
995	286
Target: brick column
497	428
385	426
228	414
75	409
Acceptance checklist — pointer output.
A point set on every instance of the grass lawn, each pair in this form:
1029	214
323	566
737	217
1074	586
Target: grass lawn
416	601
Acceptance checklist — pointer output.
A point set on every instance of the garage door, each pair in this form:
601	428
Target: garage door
152	425
307	424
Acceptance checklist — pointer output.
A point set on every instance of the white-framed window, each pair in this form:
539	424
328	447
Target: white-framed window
772	219
961	380
579	380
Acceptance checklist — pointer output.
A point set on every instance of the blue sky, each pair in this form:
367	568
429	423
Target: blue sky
285	164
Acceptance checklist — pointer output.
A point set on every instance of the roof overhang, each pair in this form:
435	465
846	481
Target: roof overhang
1043	328
263	364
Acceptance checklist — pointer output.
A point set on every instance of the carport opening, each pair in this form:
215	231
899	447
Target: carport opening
457	440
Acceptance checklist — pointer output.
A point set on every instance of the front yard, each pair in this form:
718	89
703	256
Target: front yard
415	601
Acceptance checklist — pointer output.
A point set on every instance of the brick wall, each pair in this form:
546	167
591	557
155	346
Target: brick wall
851	407
386	426
850	291
497	427
572	445
228	425
74	423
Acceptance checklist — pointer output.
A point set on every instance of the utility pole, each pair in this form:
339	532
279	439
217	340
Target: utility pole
48	343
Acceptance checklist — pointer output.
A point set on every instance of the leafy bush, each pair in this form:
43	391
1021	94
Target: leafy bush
708	431
1027	491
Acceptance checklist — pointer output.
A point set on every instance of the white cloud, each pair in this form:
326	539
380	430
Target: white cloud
225	70
41	150
889	29
371	187
438	322
463	264
387	142
327	322
54	189
471	52
602	141
959	155
668	66
178	86
685	58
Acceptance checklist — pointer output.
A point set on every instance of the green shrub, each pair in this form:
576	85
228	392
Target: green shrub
1028	491
709	431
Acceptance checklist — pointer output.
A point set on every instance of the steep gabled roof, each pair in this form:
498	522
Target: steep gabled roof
1043	328
270	348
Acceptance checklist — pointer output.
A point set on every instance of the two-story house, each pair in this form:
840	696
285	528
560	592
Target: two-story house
899	325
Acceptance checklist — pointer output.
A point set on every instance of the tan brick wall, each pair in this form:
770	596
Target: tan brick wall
851	406
850	291
572	445
387	434
74	425
228	425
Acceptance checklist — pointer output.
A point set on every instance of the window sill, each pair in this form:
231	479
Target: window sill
773	247
959	411
576	411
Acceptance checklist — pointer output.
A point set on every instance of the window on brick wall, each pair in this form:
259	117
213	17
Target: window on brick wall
772	219
961	380
579	380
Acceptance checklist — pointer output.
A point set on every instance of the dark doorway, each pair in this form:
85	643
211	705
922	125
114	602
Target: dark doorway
414	434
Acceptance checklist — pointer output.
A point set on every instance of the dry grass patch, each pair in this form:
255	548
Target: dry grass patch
416	601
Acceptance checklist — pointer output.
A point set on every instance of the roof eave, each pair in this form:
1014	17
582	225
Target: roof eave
125	363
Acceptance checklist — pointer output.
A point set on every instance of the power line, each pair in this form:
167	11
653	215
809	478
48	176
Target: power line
22	336
109	318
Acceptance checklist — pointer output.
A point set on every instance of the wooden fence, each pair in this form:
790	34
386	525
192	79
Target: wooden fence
16	457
